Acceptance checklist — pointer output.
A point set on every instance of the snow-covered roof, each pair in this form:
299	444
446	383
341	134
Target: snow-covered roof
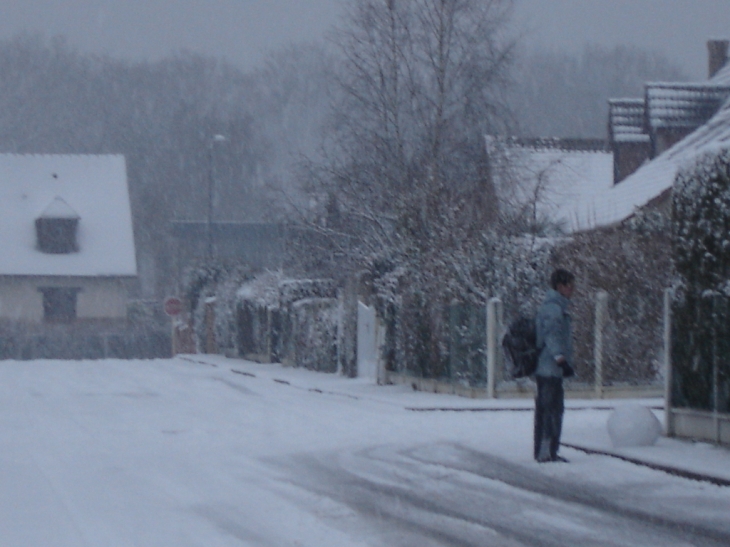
704	107
566	183
667	105
654	178
626	120
92	188
683	104
578	185
59	209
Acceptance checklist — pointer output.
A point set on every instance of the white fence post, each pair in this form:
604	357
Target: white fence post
368	343
494	329
667	319
601	306
379	348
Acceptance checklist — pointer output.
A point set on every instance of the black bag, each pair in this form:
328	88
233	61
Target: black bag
520	347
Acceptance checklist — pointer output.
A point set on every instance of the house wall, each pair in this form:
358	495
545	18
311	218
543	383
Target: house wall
628	157
699	425
98	298
666	137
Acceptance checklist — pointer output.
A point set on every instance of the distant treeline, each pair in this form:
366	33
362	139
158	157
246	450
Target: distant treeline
164	117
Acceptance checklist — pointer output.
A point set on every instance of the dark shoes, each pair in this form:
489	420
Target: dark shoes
546	459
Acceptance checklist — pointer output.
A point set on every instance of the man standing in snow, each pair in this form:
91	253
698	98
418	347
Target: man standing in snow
556	355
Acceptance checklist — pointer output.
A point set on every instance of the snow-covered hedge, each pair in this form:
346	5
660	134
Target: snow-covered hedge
633	264
701	211
314	333
701	311
214	285
266	316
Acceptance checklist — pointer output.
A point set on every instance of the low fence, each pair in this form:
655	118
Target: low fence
82	341
476	366
698	388
301	324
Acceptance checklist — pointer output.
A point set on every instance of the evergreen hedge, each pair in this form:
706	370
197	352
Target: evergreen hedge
701	310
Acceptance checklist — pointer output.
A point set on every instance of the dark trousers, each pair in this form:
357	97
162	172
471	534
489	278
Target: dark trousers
549	407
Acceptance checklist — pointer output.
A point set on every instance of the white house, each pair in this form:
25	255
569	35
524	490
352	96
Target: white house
68	250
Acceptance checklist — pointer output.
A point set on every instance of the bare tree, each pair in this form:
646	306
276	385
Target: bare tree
419	85
405	192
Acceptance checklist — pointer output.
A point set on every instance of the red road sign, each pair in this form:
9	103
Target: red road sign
173	305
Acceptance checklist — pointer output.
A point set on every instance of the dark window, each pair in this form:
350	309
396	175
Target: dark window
57	235
59	303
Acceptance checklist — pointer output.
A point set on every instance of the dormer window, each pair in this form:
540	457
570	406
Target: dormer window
56	228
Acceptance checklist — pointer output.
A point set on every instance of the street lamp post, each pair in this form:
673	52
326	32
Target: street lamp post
211	190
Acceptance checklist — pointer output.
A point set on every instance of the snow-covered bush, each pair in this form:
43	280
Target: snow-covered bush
650	221
256	324
314	333
226	309
429	301
701	212
291	290
296	342
701	311
213	285
293	321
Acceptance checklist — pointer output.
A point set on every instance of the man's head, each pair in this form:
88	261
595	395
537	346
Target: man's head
563	281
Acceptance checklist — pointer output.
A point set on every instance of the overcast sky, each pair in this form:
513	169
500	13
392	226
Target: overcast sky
242	31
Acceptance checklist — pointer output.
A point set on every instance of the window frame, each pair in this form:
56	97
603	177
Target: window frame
60	304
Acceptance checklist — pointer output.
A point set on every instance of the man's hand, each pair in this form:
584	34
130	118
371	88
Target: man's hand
568	371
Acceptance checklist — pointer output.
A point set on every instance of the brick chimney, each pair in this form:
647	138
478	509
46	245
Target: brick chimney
717	50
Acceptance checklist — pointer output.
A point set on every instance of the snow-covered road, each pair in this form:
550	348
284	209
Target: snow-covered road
445	494
180	453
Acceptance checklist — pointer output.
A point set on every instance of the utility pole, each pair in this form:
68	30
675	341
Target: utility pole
211	190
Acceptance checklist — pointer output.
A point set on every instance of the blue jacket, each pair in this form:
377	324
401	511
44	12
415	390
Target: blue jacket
553	334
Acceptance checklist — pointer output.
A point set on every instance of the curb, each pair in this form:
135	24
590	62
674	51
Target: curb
656	466
511	408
